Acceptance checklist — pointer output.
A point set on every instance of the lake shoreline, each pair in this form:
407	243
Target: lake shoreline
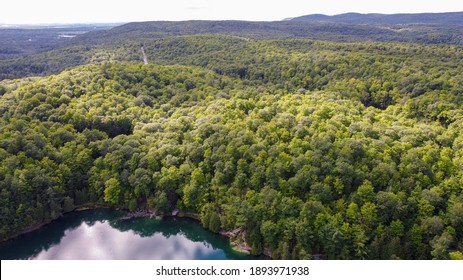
38	226
28	229
100	235
241	247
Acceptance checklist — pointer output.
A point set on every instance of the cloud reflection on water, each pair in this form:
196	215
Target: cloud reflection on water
101	241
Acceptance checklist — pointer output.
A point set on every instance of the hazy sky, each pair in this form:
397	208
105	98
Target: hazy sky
62	11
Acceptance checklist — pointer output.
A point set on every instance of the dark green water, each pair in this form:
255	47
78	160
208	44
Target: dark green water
100	234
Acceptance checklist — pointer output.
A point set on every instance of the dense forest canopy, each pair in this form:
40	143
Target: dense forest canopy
310	148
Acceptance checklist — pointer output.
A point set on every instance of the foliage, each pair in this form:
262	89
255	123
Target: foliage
312	149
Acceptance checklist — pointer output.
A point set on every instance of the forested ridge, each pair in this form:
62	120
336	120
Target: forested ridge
450	18
310	148
50	53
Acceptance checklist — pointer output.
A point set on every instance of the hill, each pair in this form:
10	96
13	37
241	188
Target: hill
455	18
343	151
308	148
427	32
123	43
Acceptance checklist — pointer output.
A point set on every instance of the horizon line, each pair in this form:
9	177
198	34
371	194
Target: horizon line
6	24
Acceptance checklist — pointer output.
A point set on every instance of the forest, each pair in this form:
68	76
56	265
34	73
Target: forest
310	148
44	51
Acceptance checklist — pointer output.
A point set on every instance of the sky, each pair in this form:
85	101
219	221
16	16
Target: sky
93	11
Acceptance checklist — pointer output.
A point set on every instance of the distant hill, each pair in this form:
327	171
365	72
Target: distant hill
248	29
313	28
455	18
28	52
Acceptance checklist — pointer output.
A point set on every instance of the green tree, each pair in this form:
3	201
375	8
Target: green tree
112	191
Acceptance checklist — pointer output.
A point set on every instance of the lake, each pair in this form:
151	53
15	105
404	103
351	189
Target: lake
101	234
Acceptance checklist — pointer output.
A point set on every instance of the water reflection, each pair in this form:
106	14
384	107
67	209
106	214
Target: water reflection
100	234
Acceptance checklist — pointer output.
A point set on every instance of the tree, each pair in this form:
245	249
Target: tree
214	222
140	181
112	191
440	246
68	204
455	214
194	191
270	234
368	214
456	255
159	203
366	192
